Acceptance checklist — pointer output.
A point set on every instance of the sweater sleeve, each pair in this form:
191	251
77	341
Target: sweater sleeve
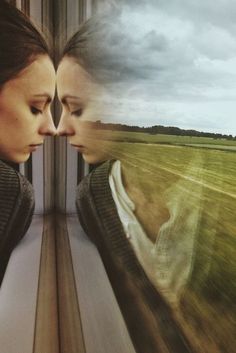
86	209
16	209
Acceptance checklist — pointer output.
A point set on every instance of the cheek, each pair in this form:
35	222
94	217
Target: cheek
16	124
82	128
12	114
9	121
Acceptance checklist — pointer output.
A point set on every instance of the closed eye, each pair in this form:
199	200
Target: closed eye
77	112
35	111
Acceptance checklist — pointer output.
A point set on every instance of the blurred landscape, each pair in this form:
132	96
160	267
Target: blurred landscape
203	169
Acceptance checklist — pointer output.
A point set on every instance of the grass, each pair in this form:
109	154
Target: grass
204	170
141	137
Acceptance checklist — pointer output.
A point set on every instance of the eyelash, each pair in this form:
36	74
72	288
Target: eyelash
35	111
77	112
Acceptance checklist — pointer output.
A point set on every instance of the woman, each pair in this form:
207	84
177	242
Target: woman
144	222
27	85
149	319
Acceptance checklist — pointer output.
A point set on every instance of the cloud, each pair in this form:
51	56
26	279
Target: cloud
178	53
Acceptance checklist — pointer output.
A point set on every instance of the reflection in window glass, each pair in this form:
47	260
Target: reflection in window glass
157	96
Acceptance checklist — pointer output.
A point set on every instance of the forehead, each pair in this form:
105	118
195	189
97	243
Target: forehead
38	77
73	79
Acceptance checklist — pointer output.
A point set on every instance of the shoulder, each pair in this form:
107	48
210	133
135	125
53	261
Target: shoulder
15	189
16	203
92	192
94	182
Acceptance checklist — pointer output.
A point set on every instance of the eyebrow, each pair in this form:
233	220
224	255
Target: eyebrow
66	96
44	95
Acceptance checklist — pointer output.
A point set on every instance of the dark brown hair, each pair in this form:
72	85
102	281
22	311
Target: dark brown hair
20	42
94	47
82	45
105	48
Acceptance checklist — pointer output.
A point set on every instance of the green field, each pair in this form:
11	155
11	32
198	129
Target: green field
201	174
126	136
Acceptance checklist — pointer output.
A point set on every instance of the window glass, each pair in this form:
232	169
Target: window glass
162	102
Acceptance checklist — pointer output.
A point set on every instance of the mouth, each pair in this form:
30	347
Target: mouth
80	148
34	146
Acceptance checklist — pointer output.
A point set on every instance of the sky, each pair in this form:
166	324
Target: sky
176	64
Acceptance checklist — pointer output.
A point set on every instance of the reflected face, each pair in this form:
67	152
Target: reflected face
79	96
25	116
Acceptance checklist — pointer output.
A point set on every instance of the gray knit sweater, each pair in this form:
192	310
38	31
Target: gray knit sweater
16	209
149	319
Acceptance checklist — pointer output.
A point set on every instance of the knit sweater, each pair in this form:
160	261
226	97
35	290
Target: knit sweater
16	209
149	319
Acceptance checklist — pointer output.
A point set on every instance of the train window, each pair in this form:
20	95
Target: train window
156	100
140	256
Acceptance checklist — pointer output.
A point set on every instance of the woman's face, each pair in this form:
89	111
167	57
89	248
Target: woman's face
25	117
79	96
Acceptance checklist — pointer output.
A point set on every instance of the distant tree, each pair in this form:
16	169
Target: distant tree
160	129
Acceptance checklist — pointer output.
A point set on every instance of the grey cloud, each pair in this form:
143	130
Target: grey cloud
179	50
155	42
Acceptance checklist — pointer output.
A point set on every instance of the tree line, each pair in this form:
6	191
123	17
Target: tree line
160	129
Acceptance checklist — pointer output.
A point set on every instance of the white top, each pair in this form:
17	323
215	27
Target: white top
168	261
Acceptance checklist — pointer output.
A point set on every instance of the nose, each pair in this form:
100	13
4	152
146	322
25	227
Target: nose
47	127
64	128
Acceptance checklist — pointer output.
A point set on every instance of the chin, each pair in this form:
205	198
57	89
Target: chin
19	158
25	159
93	159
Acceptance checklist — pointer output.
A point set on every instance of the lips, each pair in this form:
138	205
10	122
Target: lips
80	148
34	146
